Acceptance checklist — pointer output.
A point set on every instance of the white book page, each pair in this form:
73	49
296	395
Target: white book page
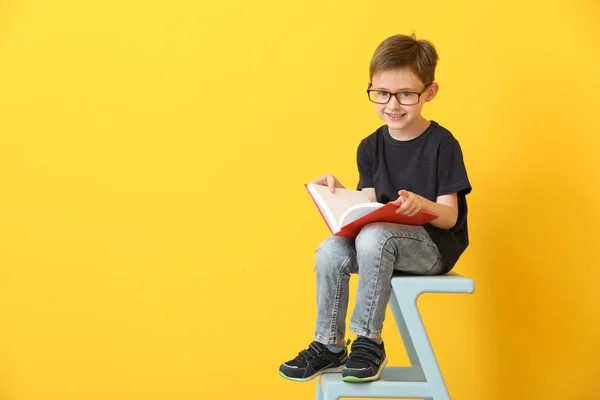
334	205
357	211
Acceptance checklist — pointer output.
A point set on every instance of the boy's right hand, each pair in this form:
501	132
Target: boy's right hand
329	181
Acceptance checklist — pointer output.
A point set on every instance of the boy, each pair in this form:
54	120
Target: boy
414	162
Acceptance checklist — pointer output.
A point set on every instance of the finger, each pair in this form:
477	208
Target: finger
409	210
403	193
405	206
405	196
331	183
416	207
401	197
319	181
414	211
402	205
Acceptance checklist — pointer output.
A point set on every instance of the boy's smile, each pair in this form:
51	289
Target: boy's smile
396	117
404	121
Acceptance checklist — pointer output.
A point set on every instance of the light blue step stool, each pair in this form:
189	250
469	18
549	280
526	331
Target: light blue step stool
423	379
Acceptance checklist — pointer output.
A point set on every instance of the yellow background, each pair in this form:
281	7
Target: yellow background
156	240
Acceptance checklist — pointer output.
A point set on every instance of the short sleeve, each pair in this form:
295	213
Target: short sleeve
452	174
365	166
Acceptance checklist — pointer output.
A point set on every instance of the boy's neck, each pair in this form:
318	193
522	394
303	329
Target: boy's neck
411	131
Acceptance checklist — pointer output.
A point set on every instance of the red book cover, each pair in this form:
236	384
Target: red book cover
386	213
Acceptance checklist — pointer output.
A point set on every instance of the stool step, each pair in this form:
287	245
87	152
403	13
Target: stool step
449	283
409	381
406	374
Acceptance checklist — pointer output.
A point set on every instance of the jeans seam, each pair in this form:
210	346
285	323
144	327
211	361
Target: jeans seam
332	328
376	283
409	236
435	264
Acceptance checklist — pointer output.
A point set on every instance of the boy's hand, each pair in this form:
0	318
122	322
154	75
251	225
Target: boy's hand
409	203
329	181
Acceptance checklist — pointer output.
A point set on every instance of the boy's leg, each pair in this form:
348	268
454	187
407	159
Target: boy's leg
382	248
335	260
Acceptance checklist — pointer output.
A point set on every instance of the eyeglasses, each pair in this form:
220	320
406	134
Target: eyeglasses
406	98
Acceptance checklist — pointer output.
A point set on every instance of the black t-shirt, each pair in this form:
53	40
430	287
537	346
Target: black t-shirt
429	165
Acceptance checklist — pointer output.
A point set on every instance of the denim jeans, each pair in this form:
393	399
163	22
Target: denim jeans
378	250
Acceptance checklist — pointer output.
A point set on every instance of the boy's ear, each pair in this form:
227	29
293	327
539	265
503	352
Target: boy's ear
432	91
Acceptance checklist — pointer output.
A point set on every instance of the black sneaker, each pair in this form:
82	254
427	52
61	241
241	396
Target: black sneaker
314	361
366	361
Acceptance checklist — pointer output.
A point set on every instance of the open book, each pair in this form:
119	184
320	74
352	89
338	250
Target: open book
346	211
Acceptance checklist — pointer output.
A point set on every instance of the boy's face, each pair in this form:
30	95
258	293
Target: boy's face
400	118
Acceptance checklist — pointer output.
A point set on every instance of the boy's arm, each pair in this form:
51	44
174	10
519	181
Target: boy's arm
446	207
370	192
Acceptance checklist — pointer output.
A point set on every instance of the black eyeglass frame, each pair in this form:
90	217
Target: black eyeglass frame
419	94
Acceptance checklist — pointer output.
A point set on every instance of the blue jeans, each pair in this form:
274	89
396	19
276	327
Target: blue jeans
378	250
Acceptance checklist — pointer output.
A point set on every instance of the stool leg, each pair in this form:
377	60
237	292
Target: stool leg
414	324
319	395
329	394
399	318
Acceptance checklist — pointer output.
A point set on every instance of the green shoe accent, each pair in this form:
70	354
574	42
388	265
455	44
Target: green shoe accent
355	379
285	376
345	347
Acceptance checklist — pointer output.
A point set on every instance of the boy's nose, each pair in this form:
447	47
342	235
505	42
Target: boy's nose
394	103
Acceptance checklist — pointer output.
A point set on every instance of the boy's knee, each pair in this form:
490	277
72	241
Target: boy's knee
371	238
332	253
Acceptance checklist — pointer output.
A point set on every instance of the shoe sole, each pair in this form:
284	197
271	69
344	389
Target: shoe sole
310	378
355	379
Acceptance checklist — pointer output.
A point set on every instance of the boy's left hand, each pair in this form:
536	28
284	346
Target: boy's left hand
409	202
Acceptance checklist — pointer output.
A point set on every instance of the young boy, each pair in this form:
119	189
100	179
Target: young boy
414	162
